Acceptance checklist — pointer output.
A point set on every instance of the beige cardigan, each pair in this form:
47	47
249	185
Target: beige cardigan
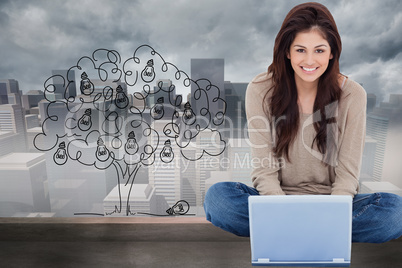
306	173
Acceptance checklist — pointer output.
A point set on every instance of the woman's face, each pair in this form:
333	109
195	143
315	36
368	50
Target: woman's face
309	55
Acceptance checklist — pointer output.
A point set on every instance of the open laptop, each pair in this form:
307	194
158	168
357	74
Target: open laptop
301	230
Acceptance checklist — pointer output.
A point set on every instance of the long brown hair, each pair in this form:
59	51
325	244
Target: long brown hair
283	101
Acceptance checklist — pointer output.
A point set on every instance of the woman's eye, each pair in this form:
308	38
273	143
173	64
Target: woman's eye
319	51
300	50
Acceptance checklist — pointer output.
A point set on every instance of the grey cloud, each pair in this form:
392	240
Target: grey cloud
370	30
4	19
55	34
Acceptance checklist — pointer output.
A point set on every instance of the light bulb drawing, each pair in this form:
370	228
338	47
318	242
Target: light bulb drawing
158	110
86	85
121	100
102	153
60	156
188	114
167	154
85	122
148	74
131	146
180	208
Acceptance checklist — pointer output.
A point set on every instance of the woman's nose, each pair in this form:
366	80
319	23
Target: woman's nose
309	60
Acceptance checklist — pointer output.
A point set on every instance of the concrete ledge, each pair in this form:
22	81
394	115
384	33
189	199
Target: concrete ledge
144	242
133	229
114	220
178	229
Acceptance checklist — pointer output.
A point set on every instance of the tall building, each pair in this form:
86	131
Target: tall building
32	121
164	176
12	119
189	177
142	200
368	158
103	88
23	184
206	164
31	134
235	121
377	127
10	92
164	88
31	99
162	95
214	71
371	102
384	124
73	187
3	93
76	187
10	142
62	88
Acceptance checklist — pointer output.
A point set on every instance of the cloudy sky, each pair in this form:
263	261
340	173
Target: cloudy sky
39	36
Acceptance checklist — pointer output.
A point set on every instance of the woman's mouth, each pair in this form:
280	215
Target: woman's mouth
309	69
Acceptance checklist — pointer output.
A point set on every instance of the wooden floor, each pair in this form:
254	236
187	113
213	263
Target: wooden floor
144	242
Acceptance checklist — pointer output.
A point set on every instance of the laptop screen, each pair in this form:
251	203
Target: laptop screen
301	229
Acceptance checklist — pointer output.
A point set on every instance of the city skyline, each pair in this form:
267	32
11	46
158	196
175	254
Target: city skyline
60	109
70	193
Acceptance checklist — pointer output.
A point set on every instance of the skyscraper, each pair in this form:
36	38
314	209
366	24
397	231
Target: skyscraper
10	142
142	199
12	119
103	88
10	92
31	99
384	124
189	177
164	176
3	93
208	163
368	158
23	183
214	71
164	88
73	187
62	88
371	102
235	121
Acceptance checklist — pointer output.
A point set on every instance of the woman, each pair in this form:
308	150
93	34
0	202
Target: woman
310	119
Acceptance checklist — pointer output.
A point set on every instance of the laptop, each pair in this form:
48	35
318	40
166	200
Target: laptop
301	230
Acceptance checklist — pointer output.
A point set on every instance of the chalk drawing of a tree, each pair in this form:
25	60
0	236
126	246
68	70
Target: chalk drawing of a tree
105	126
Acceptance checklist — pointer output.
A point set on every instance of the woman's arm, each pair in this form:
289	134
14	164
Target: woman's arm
265	175
351	143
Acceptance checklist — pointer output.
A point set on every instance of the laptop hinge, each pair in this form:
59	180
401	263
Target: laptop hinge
338	260
263	260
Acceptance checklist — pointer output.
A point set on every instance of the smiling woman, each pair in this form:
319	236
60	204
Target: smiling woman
316	120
